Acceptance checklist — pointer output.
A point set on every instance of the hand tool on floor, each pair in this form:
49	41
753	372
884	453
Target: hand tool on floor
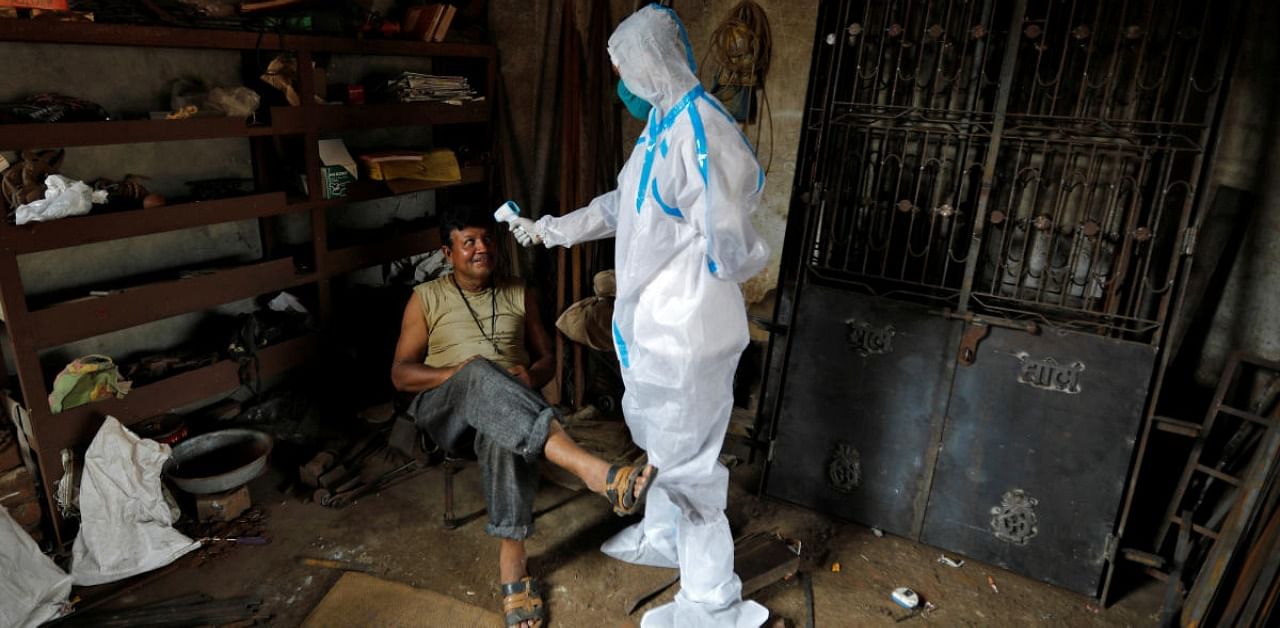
340	565
345	495
357	487
238	540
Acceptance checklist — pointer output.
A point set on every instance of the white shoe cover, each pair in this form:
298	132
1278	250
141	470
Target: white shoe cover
652	541
744	614
631	546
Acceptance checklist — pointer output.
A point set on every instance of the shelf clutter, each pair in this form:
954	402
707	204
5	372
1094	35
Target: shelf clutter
285	146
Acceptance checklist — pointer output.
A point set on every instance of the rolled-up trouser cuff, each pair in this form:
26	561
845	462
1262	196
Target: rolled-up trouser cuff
514	533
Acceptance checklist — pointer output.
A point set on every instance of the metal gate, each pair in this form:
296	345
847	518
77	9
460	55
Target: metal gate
993	201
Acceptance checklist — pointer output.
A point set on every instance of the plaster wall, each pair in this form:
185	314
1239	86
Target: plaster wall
792	26
1249	159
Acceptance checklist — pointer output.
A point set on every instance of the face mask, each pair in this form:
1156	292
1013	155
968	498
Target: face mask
637	106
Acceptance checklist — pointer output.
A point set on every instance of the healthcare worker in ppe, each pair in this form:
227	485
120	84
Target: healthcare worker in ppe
681	215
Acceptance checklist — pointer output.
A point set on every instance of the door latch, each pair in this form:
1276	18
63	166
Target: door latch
969	343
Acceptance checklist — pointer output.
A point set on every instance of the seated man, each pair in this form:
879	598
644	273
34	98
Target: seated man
474	350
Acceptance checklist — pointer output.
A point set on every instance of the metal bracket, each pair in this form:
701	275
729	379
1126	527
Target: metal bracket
994	321
969	343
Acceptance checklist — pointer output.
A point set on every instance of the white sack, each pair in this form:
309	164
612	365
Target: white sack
126	527
32	588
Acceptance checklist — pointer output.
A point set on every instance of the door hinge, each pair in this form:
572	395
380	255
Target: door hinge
772	444
1109	547
1189	240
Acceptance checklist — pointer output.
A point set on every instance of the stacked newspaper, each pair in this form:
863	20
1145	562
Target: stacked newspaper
416	87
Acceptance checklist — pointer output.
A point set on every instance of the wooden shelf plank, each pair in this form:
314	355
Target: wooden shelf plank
67	232
347	259
47	31
84	318
284	121
62	134
76	427
350	117
368	190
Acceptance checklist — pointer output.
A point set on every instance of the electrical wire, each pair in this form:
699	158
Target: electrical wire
742	47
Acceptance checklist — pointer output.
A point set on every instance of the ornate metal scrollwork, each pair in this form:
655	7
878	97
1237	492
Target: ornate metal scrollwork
844	469
1014	520
867	339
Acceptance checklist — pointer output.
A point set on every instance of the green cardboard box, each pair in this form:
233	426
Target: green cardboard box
337	169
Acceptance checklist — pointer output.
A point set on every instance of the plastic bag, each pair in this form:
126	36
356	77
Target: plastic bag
235	102
190	97
85	380
63	197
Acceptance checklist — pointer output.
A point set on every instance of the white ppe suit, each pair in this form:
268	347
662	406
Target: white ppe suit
681	215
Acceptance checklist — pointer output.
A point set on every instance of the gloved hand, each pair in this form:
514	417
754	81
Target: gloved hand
525	231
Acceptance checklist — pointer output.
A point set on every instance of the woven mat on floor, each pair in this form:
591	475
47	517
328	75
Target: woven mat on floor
363	600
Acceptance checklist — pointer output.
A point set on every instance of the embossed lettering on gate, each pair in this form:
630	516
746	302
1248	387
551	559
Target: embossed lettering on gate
867	339
1049	374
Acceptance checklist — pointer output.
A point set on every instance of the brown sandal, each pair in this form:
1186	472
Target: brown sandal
522	601
620	485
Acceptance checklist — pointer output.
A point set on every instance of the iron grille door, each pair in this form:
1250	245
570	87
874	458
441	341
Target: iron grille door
993	202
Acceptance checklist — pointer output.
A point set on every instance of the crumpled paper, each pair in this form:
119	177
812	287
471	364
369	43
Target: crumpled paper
32	589
126	525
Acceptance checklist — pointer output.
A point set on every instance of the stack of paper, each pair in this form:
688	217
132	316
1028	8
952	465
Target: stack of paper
416	87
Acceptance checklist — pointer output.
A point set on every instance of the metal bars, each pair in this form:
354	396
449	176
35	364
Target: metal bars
902	202
1096	115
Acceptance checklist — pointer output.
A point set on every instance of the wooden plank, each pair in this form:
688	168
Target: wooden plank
61	134
84	318
1248	416
362	600
48	31
759	559
346	117
351	258
76	427
762	559
79	230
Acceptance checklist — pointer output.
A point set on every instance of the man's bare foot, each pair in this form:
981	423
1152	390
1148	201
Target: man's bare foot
625	486
642	481
512	566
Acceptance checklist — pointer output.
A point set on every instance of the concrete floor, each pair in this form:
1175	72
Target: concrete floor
398	535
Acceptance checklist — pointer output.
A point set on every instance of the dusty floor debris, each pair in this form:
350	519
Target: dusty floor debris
398	535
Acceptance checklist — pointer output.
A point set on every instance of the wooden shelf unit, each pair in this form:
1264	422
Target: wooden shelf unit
30	329
132	36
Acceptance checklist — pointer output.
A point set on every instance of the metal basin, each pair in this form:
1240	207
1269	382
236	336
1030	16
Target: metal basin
218	461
